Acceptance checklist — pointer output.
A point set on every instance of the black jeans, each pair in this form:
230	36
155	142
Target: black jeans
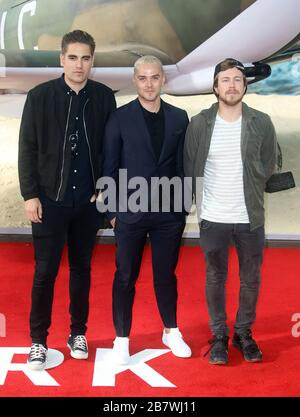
78	227
165	232
215	239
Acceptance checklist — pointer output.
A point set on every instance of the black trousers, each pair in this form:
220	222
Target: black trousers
215	239
165	232
78	227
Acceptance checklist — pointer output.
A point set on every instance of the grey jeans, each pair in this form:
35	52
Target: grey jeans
215	239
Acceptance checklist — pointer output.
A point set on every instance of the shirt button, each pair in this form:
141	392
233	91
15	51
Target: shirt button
75	170
76	118
74	187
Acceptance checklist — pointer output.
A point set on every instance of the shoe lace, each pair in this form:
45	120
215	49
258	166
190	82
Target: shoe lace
248	342
37	351
80	343
214	341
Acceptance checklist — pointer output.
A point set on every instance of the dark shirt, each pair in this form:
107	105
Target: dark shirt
80	186
156	127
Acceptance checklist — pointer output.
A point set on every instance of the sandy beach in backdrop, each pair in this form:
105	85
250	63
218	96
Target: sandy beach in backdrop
282	209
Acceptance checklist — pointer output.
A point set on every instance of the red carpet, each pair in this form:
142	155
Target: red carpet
277	375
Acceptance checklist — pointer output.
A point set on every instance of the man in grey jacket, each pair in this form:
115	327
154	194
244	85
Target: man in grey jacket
232	149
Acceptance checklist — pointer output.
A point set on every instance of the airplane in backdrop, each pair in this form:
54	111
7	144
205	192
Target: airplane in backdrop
189	36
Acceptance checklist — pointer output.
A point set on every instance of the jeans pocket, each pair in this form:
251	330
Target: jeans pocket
205	224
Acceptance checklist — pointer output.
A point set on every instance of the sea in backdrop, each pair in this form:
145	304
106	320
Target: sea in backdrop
284	80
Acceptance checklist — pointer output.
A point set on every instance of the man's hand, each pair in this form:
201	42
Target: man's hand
34	211
113	222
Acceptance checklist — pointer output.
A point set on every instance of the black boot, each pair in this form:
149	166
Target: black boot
218	350
247	345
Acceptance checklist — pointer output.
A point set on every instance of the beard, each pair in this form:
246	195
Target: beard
231	101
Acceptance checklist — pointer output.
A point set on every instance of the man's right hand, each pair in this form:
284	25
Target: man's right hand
33	210
113	222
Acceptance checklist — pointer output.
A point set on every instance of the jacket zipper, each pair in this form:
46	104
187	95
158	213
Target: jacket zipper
88	144
64	149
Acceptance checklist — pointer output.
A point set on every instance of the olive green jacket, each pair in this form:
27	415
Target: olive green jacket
258	148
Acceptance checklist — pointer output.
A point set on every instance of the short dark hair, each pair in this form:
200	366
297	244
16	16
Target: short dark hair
225	65
77	36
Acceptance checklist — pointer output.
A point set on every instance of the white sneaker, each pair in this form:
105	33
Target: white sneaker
120	351
37	357
175	342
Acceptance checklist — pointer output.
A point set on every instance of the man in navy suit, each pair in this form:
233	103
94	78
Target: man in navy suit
144	140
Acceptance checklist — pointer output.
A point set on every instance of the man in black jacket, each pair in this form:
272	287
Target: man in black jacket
60	153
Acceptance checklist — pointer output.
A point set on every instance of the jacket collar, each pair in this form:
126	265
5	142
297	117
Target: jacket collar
63	86
141	125
211	113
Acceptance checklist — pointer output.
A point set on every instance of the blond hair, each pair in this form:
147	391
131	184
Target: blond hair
148	59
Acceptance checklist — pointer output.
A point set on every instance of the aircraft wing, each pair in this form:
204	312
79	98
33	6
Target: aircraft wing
264	32
259	34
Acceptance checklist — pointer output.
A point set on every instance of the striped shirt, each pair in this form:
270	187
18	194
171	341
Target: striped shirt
223	189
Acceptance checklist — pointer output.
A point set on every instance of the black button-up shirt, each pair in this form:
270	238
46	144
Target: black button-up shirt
80	185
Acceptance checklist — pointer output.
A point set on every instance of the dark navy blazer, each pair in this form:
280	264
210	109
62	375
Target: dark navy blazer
127	145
